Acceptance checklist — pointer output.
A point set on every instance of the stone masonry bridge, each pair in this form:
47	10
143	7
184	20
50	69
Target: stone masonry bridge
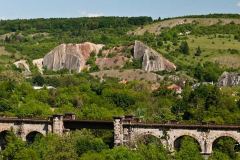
27	129
127	130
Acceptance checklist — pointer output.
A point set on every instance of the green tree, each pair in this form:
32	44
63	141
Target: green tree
38	80
86	142
226	146
16	149
122	100
198	51
153	151
188	151
209	72
118	153
216	155
184	48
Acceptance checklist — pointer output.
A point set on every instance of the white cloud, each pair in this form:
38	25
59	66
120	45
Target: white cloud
238	4
86	14
3	18
94	14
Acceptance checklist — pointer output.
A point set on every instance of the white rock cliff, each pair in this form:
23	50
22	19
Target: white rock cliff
229	79
151	59
70	56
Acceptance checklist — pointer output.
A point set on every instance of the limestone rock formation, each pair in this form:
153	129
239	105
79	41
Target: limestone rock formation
229	79
39	64
152	60
24	66
70	56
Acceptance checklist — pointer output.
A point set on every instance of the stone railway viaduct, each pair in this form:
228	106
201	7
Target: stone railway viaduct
127	130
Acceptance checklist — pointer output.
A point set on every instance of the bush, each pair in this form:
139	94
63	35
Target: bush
188	151
198	52
38	80
209	72
184	48
122	100
88	144
135	64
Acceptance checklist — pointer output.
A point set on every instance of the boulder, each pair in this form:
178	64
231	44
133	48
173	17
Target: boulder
151	59
70	56
229	79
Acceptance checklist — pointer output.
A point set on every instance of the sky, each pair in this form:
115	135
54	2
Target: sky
22	9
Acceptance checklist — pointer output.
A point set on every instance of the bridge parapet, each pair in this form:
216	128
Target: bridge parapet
69	116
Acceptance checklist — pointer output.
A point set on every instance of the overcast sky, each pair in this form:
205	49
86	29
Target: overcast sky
13	9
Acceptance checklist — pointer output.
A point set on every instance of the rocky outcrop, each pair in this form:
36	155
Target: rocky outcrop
39	64
24	66
151	59
229	79
70	56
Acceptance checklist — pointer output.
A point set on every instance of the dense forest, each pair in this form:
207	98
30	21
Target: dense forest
195	54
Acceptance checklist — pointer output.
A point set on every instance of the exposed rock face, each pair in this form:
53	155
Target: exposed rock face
229	79
39	64
23	65
152	60
70	56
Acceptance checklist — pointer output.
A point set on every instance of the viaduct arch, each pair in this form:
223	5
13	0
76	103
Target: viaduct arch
128	129
32	136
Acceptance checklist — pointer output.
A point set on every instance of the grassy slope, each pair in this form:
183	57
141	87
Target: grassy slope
7	58
217	49
214	49
157	27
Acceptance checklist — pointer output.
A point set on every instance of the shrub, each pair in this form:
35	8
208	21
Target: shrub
184	48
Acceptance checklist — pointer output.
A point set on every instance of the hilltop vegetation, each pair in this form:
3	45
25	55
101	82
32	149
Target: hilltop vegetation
34	38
